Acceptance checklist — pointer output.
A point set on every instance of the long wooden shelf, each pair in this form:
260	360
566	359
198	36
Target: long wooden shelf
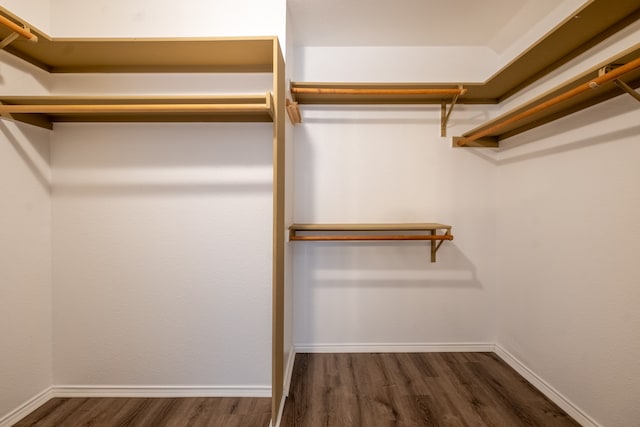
148	55
45	110
361	232
596	85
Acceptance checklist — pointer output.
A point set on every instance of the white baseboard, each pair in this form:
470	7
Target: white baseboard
265	391
130	391
545	388
26	408
394	347
160	391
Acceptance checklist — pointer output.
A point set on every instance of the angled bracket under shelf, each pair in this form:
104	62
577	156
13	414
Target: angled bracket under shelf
622	85
17	31
445	113
384	232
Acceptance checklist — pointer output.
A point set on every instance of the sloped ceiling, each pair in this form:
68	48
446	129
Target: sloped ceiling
491	23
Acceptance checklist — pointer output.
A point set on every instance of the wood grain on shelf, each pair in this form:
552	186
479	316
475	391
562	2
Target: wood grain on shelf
421	226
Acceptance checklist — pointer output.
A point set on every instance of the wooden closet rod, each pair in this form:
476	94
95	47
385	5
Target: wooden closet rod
373	91
592	84
24	32
382	237
131	108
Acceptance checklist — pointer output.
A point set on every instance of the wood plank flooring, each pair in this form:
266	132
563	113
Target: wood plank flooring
414	389
156	412
343	390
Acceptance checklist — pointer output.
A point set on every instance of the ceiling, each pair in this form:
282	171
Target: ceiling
491	23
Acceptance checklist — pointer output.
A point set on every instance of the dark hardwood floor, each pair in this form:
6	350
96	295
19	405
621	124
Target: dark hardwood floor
343	390
156	412
414	389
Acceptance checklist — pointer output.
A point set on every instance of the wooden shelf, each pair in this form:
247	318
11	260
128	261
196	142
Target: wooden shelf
126	55
375	93
45	110
574	95
390	232
372	93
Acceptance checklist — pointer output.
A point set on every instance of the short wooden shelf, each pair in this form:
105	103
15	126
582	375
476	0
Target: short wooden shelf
384	232
372	93
45	110
376	93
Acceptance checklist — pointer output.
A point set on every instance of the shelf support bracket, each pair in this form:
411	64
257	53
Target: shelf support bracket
445	113
622	85
5	115
435	245
17	31
293	111
8	40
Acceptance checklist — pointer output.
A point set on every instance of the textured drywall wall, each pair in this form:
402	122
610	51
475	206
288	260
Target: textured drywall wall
34	12
162	255
166	18
567	241
25	264
389	164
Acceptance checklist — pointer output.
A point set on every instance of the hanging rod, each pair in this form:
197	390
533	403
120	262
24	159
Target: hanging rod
373	91
592	84
131	108
370	237
24	32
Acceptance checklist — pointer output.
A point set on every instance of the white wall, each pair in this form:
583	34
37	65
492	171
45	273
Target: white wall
174	286
25	247
165	18
410	63
162	255
529	25
568	239
395	64
34	12
389	164
20	78
25	263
